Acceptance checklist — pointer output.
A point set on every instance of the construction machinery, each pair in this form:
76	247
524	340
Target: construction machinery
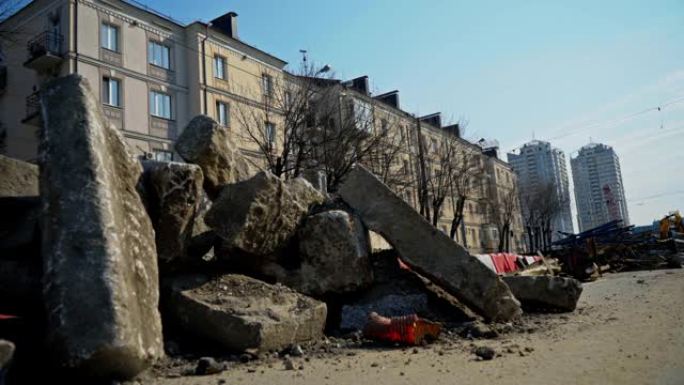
671	221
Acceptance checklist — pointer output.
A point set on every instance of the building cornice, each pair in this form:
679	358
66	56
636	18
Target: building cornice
134	74
119	14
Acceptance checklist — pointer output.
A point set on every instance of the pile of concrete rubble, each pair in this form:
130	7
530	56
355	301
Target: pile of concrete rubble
96	249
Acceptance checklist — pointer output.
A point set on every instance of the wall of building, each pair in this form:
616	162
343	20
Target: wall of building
33	20
539	163
192	55
595	167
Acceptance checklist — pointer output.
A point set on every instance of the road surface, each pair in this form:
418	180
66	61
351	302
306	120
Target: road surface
628	329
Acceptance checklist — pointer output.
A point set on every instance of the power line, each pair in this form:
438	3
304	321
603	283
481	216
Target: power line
614	122
656	196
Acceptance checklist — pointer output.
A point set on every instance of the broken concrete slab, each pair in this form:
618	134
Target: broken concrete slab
174	194
397	291
202	238
100	263
242	313
334	256
207	144
19	178
260	215
545	292
427	250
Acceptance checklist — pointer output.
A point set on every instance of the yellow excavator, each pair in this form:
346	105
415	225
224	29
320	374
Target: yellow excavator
673	220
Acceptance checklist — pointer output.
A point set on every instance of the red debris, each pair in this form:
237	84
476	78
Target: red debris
408	329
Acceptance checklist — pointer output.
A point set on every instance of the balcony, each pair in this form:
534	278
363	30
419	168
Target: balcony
33	115
45	51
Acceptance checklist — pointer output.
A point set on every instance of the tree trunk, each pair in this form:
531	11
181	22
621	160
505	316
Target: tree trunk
458	217
530	236
422	185
464	235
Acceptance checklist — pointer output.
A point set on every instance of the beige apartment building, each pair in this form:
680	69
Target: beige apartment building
495	179
153	74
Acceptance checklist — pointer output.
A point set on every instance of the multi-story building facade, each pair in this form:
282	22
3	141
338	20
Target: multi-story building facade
538	164
153	74
599	192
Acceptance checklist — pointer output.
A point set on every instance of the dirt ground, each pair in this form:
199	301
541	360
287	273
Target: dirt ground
628	329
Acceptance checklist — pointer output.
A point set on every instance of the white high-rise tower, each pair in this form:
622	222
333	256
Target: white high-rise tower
599	192
538	164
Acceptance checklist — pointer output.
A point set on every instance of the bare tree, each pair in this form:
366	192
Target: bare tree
549	209
422	173
466	179
503	210
347	134
310	121
281	125
441	171
529	215
541	206
389	160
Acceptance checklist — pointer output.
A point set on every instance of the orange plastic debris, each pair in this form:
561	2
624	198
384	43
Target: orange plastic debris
408	329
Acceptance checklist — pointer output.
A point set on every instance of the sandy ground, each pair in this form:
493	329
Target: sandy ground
628	329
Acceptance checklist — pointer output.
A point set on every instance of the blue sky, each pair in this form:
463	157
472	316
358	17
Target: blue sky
564	71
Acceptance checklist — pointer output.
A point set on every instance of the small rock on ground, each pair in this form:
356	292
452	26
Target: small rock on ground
484	352
208	365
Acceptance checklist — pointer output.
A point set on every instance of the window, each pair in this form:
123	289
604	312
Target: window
384	126
363	115
159	55
160	105
288	99
270	132
111	92
162	155
222	113
267	84
109	37
219	67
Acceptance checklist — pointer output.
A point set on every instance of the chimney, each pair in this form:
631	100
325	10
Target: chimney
359	84
227	24
454	129
433	119
391	98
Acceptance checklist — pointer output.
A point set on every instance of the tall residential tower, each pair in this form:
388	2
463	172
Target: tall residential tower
539	164
599	191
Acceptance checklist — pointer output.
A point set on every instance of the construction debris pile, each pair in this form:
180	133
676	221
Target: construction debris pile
99	250
614	247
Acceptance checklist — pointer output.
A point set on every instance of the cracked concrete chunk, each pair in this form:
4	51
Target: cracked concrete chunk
334	255
427	250
207	144
242	313
174	194
261	214
100	264
18	179
545	292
